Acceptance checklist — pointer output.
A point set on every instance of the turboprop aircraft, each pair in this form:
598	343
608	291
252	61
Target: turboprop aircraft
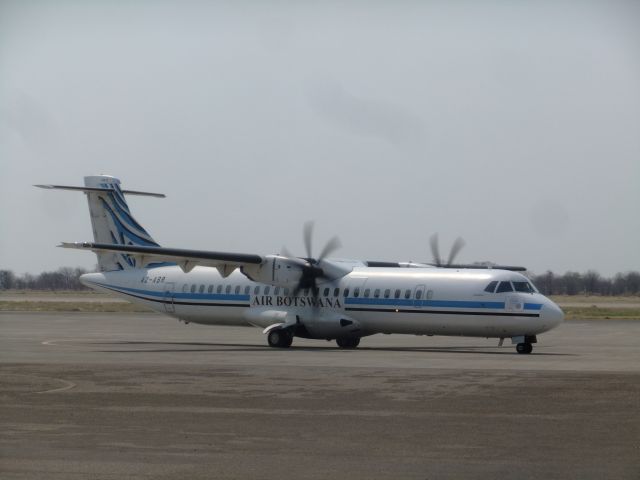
308	297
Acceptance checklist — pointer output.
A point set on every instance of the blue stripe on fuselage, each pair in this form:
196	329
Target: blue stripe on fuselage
533	306
190	296
347	301
424	303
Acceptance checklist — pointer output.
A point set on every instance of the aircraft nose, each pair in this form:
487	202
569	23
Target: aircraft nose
552	314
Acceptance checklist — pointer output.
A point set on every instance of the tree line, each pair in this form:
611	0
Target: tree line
65	278
587	283
549	283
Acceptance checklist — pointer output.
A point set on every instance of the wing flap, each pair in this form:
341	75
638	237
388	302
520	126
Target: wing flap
186	259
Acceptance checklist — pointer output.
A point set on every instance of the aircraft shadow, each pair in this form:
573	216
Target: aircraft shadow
462	350
205	347
237	347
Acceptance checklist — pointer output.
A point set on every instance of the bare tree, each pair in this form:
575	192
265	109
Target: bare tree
7	279
591	281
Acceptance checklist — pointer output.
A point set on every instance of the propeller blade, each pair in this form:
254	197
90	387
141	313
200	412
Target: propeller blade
311	269
307	233
331	246
455	249
435	251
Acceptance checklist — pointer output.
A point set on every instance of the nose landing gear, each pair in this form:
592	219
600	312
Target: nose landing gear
524	343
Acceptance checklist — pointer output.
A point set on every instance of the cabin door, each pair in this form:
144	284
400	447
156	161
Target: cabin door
168	298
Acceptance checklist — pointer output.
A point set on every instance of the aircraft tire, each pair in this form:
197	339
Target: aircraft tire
348	342
524	348
279	338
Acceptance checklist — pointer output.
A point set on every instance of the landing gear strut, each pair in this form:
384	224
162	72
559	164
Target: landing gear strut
348	342
279	338
524	348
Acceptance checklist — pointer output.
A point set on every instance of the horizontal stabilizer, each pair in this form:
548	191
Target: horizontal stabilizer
98	189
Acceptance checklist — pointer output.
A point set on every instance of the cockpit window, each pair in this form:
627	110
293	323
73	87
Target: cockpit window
523	287
504	287
491	287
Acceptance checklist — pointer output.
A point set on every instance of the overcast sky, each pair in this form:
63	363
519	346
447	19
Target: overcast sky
515	125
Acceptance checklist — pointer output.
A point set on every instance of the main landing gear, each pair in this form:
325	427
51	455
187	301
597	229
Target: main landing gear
524	348
348	342
280	338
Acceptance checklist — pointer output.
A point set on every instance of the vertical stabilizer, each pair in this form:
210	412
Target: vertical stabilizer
111	219
112	222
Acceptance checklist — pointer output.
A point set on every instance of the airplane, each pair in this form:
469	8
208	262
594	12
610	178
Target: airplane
307	297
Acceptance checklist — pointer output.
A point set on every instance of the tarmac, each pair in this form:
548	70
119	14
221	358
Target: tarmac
106	396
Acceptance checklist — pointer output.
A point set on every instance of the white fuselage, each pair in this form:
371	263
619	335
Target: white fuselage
420	301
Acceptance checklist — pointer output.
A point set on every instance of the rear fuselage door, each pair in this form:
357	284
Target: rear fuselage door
167	298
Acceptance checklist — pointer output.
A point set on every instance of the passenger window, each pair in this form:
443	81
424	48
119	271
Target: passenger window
210	289
201	288
387	293
267	289
397	293
367	292
491	287
523	287
219	290
346	292
376	293
356	292
256	290
193	288
228	289
326	292
504	287
247	289
276	290
336	292
407	293
185	287
418	294
315	291
237	290
286	292
429	294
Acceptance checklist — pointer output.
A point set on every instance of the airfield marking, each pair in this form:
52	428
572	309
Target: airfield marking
69	385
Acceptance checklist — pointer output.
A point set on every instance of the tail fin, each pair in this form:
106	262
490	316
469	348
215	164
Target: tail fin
111	219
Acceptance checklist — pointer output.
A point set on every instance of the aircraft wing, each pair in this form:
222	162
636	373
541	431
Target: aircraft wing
185	259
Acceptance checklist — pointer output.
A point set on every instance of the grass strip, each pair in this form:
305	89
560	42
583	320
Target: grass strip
99	307
596	313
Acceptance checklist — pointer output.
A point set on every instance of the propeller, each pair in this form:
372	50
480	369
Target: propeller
312	268
458	245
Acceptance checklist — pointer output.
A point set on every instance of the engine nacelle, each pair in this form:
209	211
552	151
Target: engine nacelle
329	326
276	270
